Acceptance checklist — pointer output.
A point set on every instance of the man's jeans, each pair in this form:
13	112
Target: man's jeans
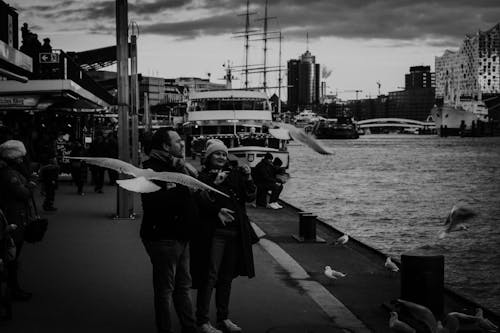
262	189
171	281
223	260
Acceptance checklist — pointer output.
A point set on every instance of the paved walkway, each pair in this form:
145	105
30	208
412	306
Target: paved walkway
91	274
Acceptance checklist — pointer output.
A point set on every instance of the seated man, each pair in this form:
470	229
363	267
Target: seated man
265	179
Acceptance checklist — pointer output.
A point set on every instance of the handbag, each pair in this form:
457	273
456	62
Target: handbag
36	228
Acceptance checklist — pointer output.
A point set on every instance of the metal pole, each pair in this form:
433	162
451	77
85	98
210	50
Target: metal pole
265	47
279	80
135	99
147	115
124	203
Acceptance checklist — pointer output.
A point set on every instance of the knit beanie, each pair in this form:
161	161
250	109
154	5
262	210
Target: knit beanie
12	149
214	145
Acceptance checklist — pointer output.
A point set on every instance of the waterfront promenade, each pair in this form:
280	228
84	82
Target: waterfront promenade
91	274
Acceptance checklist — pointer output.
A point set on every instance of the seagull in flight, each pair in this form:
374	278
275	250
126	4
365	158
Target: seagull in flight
420	313
333	274
297	134
142	181
455	220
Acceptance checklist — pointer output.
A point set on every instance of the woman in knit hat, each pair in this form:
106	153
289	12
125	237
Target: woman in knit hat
222	250
15	199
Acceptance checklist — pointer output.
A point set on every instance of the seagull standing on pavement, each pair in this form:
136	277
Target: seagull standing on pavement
342	240
333	274
390	265
397	325
455	220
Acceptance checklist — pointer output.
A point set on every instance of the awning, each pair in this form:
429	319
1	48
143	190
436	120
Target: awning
13	76
52	90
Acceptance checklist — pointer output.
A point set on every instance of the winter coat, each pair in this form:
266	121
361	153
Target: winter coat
167	213
264	173
240	190
15	198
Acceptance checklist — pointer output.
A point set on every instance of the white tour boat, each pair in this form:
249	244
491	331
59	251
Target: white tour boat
239	118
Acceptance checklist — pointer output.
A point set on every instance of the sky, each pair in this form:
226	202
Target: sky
361	42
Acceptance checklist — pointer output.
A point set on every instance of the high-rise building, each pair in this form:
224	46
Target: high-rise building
303	82
472	71
420	77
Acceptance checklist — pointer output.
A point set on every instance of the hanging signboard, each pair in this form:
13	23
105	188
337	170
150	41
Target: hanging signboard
18	101
49	58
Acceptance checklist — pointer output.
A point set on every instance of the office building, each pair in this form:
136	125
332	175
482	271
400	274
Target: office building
303	82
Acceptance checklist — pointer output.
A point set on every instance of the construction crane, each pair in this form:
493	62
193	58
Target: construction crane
379	85
357	91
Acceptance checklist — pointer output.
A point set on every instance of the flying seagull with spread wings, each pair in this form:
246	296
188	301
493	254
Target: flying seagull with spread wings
142	181
298	135
456	219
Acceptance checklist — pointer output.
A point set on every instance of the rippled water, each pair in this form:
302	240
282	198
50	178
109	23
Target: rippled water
393	192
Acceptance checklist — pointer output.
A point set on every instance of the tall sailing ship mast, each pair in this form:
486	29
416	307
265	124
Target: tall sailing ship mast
265	35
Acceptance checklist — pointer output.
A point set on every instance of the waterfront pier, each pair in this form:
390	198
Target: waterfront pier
91	274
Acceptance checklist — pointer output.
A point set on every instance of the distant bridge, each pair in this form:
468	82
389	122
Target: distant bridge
395	122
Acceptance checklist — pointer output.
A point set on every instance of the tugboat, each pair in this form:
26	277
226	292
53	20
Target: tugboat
335	128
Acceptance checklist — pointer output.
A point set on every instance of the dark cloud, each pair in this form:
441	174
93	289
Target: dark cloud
214	25
439	22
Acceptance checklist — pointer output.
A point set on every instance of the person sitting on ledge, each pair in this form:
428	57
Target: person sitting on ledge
265	179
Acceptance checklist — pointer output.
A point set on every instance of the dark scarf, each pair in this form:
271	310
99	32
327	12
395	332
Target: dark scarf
176	163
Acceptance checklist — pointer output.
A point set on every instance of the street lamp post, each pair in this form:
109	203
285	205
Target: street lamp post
125	207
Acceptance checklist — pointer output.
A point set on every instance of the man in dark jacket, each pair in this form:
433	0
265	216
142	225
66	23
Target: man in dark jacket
265	179
169	215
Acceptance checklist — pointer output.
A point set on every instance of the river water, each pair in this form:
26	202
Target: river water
393	192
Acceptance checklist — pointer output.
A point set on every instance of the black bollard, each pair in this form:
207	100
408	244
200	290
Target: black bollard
307	229
422	280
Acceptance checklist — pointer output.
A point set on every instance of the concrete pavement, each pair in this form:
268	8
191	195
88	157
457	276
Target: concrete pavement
91	274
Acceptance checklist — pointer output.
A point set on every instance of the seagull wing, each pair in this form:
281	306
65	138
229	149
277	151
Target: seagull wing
181	179
299	135
421	313
139	185
112	163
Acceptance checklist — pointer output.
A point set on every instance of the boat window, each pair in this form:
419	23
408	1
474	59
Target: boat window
239	154
247	105
226	105
212	105
238	105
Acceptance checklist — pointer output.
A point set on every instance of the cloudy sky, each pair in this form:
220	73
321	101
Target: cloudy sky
360	41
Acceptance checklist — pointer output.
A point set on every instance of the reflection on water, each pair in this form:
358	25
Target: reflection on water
393	192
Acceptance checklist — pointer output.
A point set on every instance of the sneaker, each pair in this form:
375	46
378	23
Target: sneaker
228	326
208	328
277	204
272	205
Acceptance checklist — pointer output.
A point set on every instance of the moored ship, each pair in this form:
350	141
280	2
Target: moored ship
461	119
335	128
239	118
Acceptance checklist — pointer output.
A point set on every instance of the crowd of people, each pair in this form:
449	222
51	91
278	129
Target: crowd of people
207	260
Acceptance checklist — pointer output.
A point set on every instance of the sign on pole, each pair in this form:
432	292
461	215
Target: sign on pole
49	58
